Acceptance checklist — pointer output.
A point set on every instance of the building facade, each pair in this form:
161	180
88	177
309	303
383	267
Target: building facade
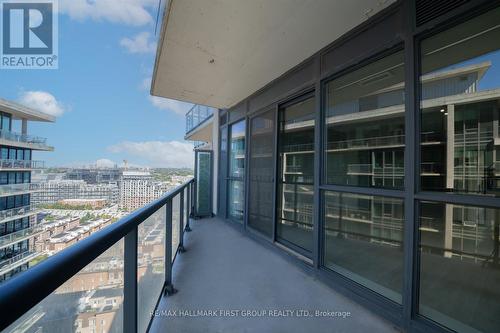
368	152
18	221
137	188
52	191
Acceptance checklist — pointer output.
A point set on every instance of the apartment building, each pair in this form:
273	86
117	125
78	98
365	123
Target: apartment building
138	188
18	221
52	191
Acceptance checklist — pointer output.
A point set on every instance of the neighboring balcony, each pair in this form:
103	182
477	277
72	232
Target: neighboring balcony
9	138
23	258
199	121
16	189
21	165
19	236
17	213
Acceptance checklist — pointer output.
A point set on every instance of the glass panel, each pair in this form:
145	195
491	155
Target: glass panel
203	182
296	182
236	200
365	119
150	266
237	150
261	191
460	266
176	220
364	240
222	181
93	298
460	105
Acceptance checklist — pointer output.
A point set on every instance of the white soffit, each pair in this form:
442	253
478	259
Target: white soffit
218	52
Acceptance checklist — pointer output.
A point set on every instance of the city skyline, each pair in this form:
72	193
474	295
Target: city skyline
95	121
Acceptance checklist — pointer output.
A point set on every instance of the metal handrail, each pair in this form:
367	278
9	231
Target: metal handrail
41	280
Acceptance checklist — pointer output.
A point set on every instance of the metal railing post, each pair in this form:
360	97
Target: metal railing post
188	194
169	287
181	248
130	283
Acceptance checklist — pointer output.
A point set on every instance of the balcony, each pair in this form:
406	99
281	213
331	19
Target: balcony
18	260
17	213
198	121
19	236
15	189
24	141
21	165
125	272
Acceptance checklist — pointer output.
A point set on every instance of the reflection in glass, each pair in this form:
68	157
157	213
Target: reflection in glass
366	126
237	150
91	298
236	185
460	266
296	181
176	218
237	199
364	240
460	89
150	265
261	169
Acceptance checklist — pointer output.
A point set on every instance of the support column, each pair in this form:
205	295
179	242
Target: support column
24	126
169	287
450	146
130	283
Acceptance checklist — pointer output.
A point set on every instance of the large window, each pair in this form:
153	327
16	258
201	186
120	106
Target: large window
365	147
364	240
460	266
460	89
236	191
365	133
460	153
261	209
296	175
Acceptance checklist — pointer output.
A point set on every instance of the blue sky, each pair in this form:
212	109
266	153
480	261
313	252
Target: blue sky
100	93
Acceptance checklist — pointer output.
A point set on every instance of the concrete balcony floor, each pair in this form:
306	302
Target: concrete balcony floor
226	270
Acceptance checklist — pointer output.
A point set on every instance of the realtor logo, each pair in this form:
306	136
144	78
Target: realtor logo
29	34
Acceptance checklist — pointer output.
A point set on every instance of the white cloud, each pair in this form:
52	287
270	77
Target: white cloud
130	12
42	101
105	163
166	154
140	43
170	105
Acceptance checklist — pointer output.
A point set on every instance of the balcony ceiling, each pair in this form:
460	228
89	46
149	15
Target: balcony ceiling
219	52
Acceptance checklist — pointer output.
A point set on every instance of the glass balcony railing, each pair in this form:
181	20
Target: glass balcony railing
110	281
20	235
197	115
12	189
21	164
17	137
22	257
14	212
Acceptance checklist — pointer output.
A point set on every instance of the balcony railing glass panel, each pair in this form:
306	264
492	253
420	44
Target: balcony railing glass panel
92	299
150	266
197	115
21	164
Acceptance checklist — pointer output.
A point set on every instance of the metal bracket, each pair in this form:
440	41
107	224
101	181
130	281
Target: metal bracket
169	290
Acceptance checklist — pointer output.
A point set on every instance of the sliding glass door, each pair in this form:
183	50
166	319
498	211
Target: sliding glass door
295	192
261	173
236	184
